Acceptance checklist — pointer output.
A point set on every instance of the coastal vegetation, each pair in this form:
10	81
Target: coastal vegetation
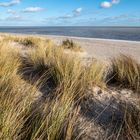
126	72
69	44
46	93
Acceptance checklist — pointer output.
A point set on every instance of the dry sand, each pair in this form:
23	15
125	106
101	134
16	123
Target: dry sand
104	49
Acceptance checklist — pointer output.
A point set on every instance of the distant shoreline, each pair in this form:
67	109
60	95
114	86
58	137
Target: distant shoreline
113	33
87	38
73	37
70	26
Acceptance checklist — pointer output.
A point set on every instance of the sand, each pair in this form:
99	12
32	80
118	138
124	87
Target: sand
104	49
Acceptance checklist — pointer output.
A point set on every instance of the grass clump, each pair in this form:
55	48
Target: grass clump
96	73
54	66
69	44
27	41
69	83
125	71
15	100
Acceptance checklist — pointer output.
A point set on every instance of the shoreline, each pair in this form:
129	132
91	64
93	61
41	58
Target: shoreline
72	37
86	38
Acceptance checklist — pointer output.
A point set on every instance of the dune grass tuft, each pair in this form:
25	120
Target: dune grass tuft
125	71
69	44
16	96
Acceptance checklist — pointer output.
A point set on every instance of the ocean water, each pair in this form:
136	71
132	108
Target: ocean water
120	33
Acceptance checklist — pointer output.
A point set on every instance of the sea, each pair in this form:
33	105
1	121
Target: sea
118	33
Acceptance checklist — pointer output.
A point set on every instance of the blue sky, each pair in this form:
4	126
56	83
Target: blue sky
69	12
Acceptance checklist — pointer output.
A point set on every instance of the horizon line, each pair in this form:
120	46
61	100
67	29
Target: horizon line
70	26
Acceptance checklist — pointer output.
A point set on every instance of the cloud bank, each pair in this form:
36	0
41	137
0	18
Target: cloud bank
73	14
8	4
115	1
32	9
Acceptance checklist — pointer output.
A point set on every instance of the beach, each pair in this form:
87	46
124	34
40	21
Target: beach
70	70
104	49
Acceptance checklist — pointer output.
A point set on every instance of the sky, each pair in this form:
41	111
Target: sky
69	12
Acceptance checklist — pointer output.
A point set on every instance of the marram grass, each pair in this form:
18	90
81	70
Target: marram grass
126	72
71	45
40	91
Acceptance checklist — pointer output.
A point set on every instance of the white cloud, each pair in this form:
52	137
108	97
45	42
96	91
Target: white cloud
73	14
106	4
115	1
78	10
11	3
33	9
114	18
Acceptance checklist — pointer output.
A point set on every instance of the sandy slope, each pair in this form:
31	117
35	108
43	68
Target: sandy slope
105	48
